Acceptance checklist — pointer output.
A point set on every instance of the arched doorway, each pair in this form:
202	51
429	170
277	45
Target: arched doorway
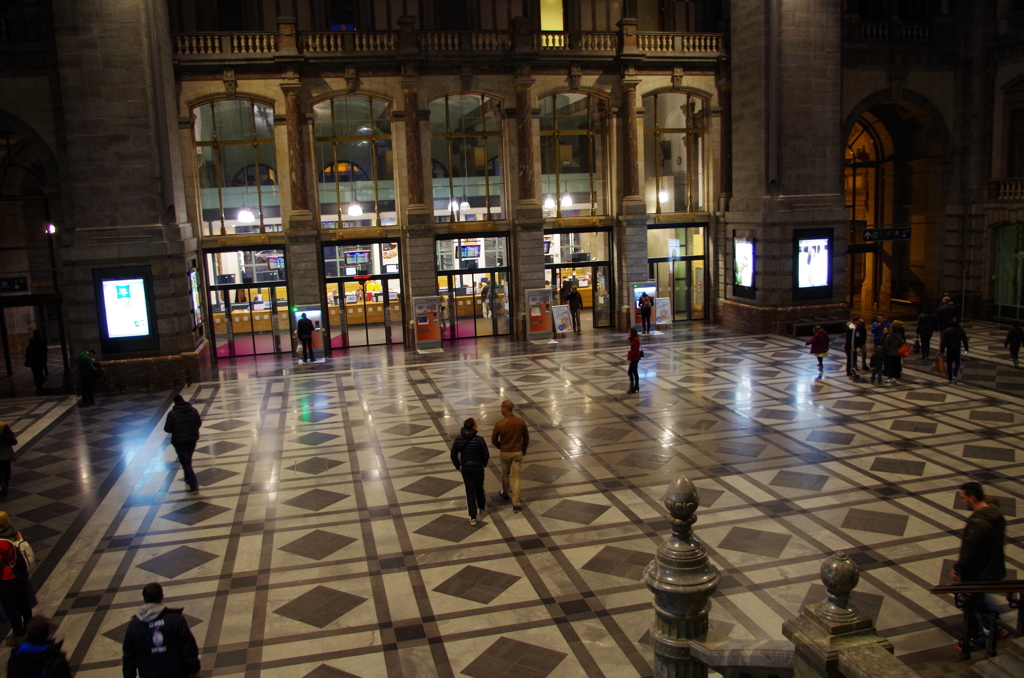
894	179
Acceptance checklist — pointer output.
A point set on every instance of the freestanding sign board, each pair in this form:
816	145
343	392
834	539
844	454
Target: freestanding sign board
561	319
427	322
538	315
662	311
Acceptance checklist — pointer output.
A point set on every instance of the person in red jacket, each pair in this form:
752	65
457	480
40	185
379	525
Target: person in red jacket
819	346
15	594
635	353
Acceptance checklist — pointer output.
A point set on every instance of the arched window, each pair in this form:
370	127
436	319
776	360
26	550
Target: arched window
465	152
236	163
674	125
354	151
573	131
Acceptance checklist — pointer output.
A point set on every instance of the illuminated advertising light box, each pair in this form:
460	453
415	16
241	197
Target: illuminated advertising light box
126	308
812	264
744	263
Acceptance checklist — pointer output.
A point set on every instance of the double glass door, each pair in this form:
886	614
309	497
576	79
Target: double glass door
592	282
474	304
683	282
250	320
365	310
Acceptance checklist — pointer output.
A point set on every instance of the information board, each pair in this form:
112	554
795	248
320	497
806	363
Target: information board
662	311
561	319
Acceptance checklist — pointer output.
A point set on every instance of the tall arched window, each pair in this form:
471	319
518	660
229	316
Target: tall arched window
237	167
354	162
573	131
674	125
466	158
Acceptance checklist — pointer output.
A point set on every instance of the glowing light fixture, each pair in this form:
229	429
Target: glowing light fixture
662	196
50	228
464	205
355	210
566	200
245	215
549	203
453	206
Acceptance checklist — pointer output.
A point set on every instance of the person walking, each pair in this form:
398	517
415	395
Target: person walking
860	342
35	360
634	356
945	314
512	438
88	372
891	345
470	456
819	346
183	422
486	292
15	594
158	642
645	303
981	560
1014	338
878	329
850	346
304	331
575	300
950	341
926	325
40	656
7	442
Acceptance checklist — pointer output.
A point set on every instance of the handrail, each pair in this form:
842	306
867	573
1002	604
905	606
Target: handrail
1004	586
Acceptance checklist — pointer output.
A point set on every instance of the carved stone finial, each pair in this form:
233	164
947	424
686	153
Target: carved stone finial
840	575
575	75
230	84
681	502
351	79
677	77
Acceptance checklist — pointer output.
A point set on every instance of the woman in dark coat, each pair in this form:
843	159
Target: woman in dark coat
635	353
35	359
819	346
892	342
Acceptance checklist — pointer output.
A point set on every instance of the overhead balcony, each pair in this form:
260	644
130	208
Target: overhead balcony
898	33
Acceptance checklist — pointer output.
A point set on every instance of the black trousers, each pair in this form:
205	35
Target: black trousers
5	474
14	597
307	348
473	477
851	359
38	375
88	391
926	343
184	452
952	364
645	319
574	313
893	366
634	375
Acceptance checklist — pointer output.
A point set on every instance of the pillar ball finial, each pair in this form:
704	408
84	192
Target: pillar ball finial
840	575
681	499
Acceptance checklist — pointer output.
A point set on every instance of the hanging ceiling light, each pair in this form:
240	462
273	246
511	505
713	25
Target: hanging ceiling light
355	210
245	215
464	205
549	203
566	200
662	196
453	206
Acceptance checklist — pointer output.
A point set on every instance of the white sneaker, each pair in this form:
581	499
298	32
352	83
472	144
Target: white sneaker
472	521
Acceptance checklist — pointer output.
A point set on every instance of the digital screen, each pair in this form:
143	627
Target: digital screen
391	268
469	251
812	263
547	247
275	263
353	258
125	304
350	270
744	263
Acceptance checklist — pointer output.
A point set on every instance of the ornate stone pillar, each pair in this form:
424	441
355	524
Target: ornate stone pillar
296	156
682	580
413	149
630	153
631	228
528	225
524	137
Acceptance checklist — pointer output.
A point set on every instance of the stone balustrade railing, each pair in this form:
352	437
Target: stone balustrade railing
896	32
203	47
1008	189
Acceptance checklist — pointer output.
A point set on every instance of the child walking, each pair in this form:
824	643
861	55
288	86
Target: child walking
877	364
819	346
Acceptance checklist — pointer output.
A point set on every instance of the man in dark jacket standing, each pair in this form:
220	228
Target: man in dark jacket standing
575	300
981	557
88	373
304	330
183	422
158	642
950	342
40	655
470	456
35	359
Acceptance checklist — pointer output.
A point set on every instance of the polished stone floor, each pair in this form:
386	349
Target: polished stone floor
330	537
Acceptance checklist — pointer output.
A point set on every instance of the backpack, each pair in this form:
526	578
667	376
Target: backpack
24	556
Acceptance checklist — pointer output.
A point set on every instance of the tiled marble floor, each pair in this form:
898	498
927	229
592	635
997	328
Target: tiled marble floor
331	538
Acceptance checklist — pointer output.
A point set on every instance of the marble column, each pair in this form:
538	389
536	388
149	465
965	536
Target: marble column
631	227
296	156
630	154
524	139
527	240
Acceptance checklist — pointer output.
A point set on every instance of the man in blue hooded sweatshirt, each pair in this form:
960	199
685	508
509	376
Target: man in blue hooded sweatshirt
158	642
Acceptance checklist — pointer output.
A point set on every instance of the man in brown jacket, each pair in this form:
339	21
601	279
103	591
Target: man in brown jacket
512	438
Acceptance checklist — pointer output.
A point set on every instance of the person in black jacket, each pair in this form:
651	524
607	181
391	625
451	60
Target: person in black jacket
945	314
470	456
35	359
1014	338
183	422
304	330
40	655
850	346
981	557
951	340
158	642
575	301
926	325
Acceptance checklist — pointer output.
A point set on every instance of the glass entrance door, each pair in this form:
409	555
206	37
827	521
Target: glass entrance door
365	311
474	304
250	320
682	281
592	283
